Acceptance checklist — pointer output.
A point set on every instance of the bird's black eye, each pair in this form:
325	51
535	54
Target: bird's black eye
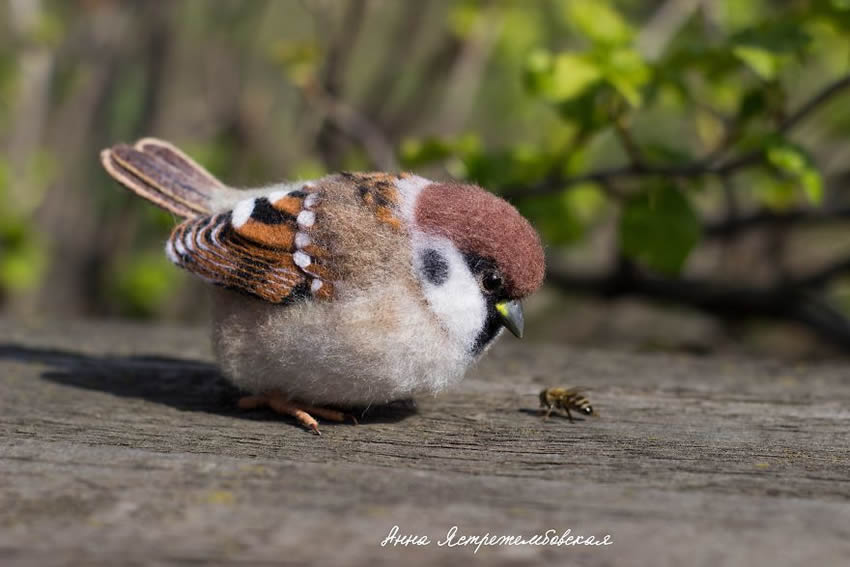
587	410
491	282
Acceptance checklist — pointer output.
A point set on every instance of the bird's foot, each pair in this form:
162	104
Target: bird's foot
302	412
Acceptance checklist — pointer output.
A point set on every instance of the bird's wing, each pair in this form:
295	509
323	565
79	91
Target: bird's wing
263	247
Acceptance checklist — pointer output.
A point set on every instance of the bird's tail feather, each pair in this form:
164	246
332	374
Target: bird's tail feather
164	175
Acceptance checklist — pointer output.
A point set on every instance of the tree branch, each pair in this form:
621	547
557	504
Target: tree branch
764	218
814	103
355	126
697	168
328	142
407	29
781	302
825	275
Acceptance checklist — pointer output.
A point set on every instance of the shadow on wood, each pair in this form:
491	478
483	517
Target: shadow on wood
187	385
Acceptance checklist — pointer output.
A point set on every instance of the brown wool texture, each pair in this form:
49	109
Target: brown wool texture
363	251
477	221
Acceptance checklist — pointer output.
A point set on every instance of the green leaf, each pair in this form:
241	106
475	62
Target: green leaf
627	72
569	76
769	47
796	162
585	201
775	193
787	158
560	78
764	63
812	184
589	112
659	228
599	22
572	74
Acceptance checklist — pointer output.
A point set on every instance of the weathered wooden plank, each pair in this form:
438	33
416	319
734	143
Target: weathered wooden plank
119	443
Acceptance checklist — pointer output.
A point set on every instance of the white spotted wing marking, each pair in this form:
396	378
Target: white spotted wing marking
222	249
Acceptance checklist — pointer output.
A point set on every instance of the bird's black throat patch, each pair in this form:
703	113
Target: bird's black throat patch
493	322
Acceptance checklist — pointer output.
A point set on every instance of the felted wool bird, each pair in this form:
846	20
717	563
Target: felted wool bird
352	289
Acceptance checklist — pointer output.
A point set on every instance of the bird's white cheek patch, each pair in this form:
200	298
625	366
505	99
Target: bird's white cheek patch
454	297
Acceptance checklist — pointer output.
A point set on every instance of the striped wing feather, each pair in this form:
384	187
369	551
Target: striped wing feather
262	247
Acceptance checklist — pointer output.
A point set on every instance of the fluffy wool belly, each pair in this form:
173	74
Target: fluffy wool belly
375	347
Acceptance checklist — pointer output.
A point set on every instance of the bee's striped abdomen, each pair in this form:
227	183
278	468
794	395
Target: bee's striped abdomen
580	403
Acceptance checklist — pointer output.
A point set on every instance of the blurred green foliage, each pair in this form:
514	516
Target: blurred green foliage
719	88
23	254
659	227
524	98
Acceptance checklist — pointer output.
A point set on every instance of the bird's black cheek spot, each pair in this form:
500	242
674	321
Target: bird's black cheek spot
435	266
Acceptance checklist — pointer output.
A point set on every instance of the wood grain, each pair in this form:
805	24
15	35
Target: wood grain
120	444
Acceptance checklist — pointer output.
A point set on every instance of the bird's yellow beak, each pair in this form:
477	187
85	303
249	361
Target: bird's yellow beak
511	314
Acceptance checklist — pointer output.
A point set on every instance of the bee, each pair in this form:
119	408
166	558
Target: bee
565	399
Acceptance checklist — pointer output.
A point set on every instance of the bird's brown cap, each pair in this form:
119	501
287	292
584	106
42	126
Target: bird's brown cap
479	222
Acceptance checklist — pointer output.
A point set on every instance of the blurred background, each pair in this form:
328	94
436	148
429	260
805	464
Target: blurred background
687	161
